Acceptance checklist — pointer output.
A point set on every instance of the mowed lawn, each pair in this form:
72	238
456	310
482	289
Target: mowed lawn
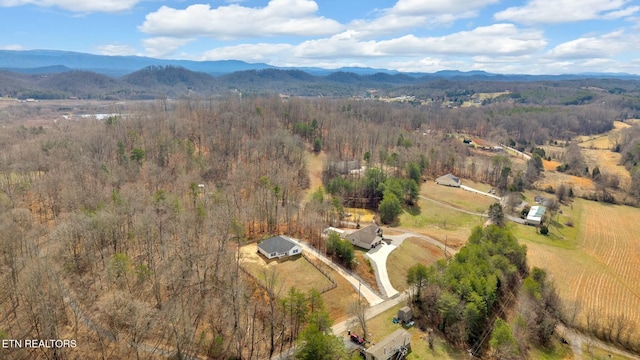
412	251
294	272
299	273
437	215
600	267
458	197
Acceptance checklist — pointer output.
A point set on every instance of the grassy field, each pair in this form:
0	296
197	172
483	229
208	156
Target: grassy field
314	165
599	267
412	251
458	197
293	272
440	219
300	273
381	326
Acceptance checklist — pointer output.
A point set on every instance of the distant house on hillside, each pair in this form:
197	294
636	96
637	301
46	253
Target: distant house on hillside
448	180
394	346
278	247
542	200
535	215
367	237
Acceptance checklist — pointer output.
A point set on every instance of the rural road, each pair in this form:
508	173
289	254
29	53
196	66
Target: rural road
468	188
577	340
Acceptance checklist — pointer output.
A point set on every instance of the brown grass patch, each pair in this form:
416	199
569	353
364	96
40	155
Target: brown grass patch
412	251
365	271
550	165
315	162
336	300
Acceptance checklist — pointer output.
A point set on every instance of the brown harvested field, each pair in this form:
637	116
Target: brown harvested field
412	251
602	270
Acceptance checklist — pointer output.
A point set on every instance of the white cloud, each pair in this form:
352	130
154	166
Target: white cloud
409	14
279	17
12	47
266	53
561	11
115	49
163	46
80	6
496	40
604	46
433	7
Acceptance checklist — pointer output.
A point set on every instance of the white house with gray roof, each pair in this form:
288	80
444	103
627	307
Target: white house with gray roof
278	247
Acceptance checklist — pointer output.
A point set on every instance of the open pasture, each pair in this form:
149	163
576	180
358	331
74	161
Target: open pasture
602	141
601	271
459	198
412	251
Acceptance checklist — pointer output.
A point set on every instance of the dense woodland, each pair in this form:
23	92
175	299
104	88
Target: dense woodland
106	235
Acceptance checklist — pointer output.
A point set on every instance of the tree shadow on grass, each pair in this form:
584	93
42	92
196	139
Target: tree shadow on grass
413	210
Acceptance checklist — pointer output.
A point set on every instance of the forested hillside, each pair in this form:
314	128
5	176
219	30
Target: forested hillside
125	233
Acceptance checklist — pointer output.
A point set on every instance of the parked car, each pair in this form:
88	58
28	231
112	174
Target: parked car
357	339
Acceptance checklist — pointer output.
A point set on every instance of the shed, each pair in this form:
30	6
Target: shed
395	346
448	180
405	314
535	215
278	247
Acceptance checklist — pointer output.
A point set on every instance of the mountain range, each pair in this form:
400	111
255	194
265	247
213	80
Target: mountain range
51	61
51	74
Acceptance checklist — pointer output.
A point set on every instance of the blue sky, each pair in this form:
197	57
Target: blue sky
500	36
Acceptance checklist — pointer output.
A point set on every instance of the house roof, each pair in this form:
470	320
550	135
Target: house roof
536	212
448	179
389	345
366	235
276	244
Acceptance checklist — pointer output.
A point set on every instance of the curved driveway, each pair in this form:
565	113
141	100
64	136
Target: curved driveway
357	284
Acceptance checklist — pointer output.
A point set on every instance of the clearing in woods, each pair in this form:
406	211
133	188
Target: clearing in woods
299	273
601	270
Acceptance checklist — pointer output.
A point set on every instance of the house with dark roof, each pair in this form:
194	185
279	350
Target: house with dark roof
278	247
395	346
448	180
367	237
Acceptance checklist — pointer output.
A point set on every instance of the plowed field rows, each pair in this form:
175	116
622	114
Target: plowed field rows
603	271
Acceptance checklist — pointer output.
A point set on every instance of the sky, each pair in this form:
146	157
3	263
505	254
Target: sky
498	36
